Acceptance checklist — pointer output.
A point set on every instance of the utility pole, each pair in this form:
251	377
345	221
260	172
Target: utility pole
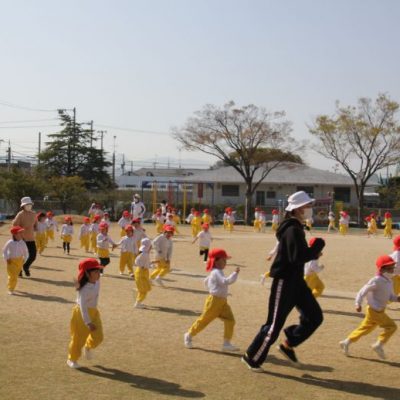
102	133
9	156
39	146
91	134
113	161
123	164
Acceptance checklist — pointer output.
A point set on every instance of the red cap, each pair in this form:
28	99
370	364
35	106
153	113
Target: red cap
206	211
196	213
372	215
388	214
275	212
257	209
205	226
96	218
103	225
312	241
86	265
128	228
168	228
213	255
106	213
126	214
396	242
86	219
384	261
368	218
136	221
16	229
67	218
50	214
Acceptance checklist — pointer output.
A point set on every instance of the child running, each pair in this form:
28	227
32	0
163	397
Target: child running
331	221
163	246
84	234
15	253
344	221
216	305
86	327
205	240
128	251
142	279
40	234
311	270
388	224
103	243
51	226
67	230
124	221
378	291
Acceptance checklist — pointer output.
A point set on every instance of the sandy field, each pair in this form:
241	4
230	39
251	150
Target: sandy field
143	357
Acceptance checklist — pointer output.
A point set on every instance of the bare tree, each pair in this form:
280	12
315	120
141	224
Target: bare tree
362	139
247	138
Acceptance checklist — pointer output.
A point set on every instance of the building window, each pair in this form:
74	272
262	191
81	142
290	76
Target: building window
271	194
308	189
230	190
260	198
342	194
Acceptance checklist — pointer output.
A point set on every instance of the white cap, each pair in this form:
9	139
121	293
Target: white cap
145	245
25	201
136	196
297	200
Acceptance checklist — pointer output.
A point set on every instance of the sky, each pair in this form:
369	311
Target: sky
147	66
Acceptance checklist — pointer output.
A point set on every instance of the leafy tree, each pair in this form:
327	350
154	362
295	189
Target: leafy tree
70	154
362	139
248	139
390	193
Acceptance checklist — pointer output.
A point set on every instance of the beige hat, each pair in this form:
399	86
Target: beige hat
25	201
297	200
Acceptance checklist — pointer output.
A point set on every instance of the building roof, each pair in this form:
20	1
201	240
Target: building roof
288	173
164	172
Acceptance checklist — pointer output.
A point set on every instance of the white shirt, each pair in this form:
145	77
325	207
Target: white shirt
84	230
217	284
15	249
104	241
159	218
51	224
94	227
275	219
88	297
344	221
139	234
162	247
312	267
128	245
189	218
396	257
123	222
170	222
205	239
67	230
378	291
41	227
137	209
143	260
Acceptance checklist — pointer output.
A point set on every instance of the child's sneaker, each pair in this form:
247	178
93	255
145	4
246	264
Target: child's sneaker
250	365
138	304
344	345
10	292
378	348
73	364
229	347
262	279
88	353
289	354
159	281
187	340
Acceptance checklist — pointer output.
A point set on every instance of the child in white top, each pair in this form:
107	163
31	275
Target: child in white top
159	220
103	243
124	221
15	253
378	291
129	251
142	278
67	230
331	221
51	226
86	327
216	305
163	247
396	257
205	240
311	270
84	234
344	221
40	232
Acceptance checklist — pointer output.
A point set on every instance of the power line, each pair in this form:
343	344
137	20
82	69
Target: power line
31	120
132	130
11	105
26	127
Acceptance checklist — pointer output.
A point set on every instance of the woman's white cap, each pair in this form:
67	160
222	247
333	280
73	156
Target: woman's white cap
297	200
145	245
25	201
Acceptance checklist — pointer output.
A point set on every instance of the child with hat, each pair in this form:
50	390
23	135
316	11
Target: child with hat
124	221
205	240
40	232
128	251
103	244
159	220
51	226
396	257
196	223
86	327
84	234
344	221
311	270
331	221
15	253
230	219
206	217
388	224
142	279
275	220
216	304
67	230
378	291
163	247
257	222
94	231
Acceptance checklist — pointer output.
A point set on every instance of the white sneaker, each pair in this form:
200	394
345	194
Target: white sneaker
344	345
131	274
10	292
262	279
73	364
121	273
159	281
229	347
139	305
88	353
378	348
187	340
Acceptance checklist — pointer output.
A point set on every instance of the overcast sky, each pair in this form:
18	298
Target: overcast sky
148	65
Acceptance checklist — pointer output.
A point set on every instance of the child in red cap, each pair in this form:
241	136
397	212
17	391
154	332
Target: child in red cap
311	270
216	305
257	222
40	232
378	291
84	234
67	230
129	251
103	243
15	252
51	226
94	231
86	326
396	257
388	224
205	240
124	221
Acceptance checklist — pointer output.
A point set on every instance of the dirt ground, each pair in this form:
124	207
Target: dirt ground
143	357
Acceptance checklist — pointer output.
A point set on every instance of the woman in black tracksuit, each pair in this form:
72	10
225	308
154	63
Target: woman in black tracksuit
289	289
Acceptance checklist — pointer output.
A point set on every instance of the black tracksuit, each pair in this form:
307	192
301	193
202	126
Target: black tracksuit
288	290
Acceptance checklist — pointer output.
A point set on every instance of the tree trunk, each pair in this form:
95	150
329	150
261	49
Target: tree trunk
360	216
248	205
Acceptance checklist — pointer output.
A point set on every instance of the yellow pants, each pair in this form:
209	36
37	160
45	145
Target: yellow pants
229	226
162	269
85	242
257	226
274	227
103	253
93	242
81	335
343	229
159	227
40	240
225	225
387	232
315	284
370	322
14	267
49	235
396	284
142	283
66	238
127	260
215	307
